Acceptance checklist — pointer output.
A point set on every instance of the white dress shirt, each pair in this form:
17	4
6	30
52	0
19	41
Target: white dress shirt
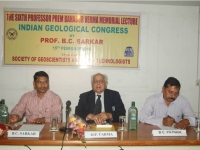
155	109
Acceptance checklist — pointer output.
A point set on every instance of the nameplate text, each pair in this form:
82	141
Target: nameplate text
169	133
100	134
16	133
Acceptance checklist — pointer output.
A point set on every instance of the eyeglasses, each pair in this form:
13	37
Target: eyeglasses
98	82
173	93
40	82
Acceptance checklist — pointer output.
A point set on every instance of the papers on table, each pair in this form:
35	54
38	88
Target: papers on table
167	127
104	126
31	127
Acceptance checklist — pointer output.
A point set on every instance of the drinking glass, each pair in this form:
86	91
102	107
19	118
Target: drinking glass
54	123
197	128
122	121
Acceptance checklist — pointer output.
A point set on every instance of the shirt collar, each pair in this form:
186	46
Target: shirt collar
99	94
35	92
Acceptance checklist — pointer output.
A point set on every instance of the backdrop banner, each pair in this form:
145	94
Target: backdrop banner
71	39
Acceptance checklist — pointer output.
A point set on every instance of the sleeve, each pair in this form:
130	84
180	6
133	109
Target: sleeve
146	113
81	108
189	114
20	108
119	109
57	106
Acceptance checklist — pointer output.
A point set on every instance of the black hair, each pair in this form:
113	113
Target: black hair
173	82
40	73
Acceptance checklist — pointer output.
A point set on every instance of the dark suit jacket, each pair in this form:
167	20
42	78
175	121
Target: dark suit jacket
112	103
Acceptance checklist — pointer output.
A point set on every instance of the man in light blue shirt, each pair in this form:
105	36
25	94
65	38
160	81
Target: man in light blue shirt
168	107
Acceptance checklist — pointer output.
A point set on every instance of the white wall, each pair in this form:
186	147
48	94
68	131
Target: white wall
168	47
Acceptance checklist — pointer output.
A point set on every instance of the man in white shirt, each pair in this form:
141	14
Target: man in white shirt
168	107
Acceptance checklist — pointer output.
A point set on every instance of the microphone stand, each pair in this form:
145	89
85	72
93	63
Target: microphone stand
66	128
67	120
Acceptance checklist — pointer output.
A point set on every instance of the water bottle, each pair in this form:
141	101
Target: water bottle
4	115
132	117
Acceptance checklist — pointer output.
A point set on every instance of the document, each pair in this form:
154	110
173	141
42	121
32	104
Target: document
167	127
31	127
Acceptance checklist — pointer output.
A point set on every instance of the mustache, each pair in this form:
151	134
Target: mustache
172	99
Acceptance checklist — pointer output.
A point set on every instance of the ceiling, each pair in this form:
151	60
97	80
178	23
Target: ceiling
178	3
158	2
150	2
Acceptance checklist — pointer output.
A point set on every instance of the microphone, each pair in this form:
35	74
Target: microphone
68	103
65	129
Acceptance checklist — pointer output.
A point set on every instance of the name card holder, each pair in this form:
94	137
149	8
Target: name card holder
16	133
100	134
169	133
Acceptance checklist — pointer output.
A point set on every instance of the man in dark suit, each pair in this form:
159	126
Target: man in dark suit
111	105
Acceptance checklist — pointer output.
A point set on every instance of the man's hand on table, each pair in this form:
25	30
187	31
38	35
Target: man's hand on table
38	120
13	118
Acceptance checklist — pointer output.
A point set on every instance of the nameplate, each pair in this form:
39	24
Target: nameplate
16	133
100	134
169	133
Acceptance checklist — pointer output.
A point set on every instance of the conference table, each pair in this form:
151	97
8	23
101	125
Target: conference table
126	140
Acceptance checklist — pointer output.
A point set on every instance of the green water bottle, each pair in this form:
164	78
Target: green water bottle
132	117
4	115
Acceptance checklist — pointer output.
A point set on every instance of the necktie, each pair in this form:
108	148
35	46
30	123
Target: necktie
97	108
